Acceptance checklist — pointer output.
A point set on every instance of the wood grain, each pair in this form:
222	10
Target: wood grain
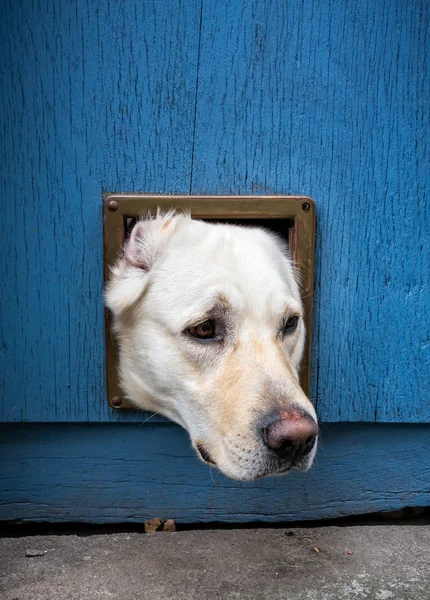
97	96
104	473
236	96
331	100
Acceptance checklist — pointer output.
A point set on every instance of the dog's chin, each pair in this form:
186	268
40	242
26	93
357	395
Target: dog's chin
271	469
279	471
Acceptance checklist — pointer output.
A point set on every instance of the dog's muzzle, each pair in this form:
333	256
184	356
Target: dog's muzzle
286	439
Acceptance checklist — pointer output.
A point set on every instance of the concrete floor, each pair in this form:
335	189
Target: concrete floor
327	563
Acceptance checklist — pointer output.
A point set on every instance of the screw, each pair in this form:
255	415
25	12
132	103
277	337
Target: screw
116	401
113	205
306	206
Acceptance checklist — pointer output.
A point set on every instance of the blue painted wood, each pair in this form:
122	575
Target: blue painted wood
122	473
211	96
96	96
331	100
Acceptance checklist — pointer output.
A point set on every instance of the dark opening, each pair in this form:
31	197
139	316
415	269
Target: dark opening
281	227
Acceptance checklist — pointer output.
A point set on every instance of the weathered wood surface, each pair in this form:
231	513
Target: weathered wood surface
123	473
234	96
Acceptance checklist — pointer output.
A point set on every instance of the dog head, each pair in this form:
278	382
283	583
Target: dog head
210	330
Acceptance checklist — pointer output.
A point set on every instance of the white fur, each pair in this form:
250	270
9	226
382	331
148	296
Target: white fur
173	270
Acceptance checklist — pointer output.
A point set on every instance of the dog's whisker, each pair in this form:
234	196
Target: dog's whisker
307	296
148	419
321	448
212	477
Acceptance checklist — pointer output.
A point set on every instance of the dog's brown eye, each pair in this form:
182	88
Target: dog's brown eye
290	324
203	331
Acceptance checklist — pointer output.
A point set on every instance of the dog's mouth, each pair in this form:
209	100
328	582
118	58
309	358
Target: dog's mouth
205	455
281	470
256	465
269	470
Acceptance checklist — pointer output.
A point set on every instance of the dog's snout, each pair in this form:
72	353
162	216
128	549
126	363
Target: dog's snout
291	436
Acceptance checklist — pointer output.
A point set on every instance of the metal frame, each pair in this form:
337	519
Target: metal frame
301	241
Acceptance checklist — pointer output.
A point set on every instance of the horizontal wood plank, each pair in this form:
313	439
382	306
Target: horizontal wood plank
124	473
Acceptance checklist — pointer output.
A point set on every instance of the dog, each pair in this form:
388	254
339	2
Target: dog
209	323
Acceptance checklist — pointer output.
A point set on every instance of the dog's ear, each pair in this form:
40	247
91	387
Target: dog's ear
147	240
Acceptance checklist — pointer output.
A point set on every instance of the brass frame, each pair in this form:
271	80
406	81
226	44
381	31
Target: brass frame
300	209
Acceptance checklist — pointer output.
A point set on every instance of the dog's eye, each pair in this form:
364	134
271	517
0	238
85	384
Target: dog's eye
290	324
203	331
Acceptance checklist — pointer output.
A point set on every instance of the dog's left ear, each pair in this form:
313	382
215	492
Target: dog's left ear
129	278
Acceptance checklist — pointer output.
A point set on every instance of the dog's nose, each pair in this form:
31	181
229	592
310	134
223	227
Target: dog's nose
292	435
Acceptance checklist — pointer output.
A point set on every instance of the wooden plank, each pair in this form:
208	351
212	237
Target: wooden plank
97	96
331	101
107	473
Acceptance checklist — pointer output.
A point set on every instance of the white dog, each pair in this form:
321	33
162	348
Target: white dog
210	330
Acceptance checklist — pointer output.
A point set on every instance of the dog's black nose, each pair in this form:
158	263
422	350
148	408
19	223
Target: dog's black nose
291	436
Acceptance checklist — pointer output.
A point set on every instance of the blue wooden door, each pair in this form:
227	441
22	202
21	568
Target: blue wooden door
324	99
